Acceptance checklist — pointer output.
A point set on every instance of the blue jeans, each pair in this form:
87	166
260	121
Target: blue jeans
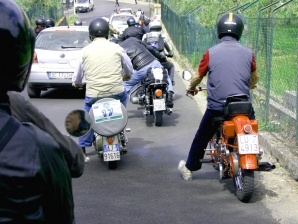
86	140
138	76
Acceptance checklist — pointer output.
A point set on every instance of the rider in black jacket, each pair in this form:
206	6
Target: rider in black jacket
132	30
142	57
35	182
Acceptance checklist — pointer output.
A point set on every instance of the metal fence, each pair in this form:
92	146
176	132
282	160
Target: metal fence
55	12
274	42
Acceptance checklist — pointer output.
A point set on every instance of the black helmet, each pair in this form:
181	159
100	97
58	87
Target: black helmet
139	10
50	22
230	24
40	21
17	52
131	21
99	27
78	23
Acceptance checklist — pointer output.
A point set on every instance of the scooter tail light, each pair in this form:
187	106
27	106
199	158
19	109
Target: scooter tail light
247	128
110	140
158	92
35	60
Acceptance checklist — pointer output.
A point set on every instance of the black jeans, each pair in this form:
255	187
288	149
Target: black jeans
205	132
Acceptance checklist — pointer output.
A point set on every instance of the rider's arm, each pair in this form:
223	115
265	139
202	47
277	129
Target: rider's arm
254	74
159	56
126	63
78	74
169	49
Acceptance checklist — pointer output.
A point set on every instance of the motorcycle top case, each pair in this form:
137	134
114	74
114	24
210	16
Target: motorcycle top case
108	127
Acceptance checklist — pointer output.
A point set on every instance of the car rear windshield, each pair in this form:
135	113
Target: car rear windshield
120	20
61	40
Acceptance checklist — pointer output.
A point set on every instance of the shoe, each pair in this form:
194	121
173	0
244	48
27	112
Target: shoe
186	173
169	102
173	83
87	159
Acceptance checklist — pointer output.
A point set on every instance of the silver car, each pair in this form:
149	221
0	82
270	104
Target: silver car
57	50
119	21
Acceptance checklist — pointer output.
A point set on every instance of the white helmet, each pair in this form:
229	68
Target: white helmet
155	25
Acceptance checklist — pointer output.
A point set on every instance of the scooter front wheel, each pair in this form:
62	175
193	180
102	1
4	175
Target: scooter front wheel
244	184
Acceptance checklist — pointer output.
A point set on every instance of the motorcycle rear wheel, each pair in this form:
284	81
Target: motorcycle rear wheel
244	184
158	118
112	165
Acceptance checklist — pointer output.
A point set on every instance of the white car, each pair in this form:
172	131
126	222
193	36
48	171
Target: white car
57	50
119	21
125	10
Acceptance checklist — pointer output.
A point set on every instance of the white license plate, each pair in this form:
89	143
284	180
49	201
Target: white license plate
111	152
159	104
60	75
248	144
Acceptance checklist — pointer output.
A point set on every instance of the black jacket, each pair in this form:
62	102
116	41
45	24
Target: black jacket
140	53
35	183
133	31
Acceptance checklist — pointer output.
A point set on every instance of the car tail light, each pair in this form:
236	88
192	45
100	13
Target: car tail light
35	60
158	92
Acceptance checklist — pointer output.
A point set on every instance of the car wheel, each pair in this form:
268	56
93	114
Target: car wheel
33	93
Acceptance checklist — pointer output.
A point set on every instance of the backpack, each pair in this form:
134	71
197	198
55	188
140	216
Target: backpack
156	41
151	79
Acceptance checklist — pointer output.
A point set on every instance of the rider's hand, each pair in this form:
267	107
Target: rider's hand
192	92
77	85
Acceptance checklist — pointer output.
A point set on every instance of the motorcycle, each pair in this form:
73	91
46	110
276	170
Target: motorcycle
151	94
234	149
109	119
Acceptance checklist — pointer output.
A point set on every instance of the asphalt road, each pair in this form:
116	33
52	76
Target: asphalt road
147	187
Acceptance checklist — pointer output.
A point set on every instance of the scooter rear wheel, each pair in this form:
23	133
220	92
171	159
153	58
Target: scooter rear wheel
244	184
112	165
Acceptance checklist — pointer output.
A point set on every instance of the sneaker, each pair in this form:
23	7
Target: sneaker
87	159
186	173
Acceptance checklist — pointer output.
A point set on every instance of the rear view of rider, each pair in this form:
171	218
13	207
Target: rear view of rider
103	64
35	183
232	70
132	30
143	57
155	39
40	25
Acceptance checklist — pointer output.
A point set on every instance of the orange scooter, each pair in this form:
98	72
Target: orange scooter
235	148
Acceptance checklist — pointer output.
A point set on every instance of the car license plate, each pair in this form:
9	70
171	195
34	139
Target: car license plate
248	144
60	75
111	152
159	104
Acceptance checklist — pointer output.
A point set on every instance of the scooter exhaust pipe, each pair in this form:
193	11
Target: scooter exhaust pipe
265	166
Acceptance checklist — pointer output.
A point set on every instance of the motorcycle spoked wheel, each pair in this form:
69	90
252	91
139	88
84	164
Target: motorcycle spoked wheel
244	184
158	118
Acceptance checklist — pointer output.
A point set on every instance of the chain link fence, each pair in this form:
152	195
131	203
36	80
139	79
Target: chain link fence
274	41
55	12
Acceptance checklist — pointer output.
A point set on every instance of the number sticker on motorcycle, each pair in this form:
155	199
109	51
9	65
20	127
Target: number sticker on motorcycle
107	111
159	104
111	152
248	144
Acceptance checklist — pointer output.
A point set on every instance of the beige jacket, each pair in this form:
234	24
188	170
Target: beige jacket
102	64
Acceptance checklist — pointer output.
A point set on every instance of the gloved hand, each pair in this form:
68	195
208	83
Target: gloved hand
163	58
126	77
77	85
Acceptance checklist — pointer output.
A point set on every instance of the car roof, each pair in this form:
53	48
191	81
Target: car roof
66	28
125	9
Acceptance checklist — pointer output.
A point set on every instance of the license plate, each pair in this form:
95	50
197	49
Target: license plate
248	144
60	75
159	104
111	152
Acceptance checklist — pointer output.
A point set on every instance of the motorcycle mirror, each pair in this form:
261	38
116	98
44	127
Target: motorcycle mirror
186	75
78	123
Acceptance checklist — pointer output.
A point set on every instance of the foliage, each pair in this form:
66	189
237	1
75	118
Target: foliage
72	19
27	4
